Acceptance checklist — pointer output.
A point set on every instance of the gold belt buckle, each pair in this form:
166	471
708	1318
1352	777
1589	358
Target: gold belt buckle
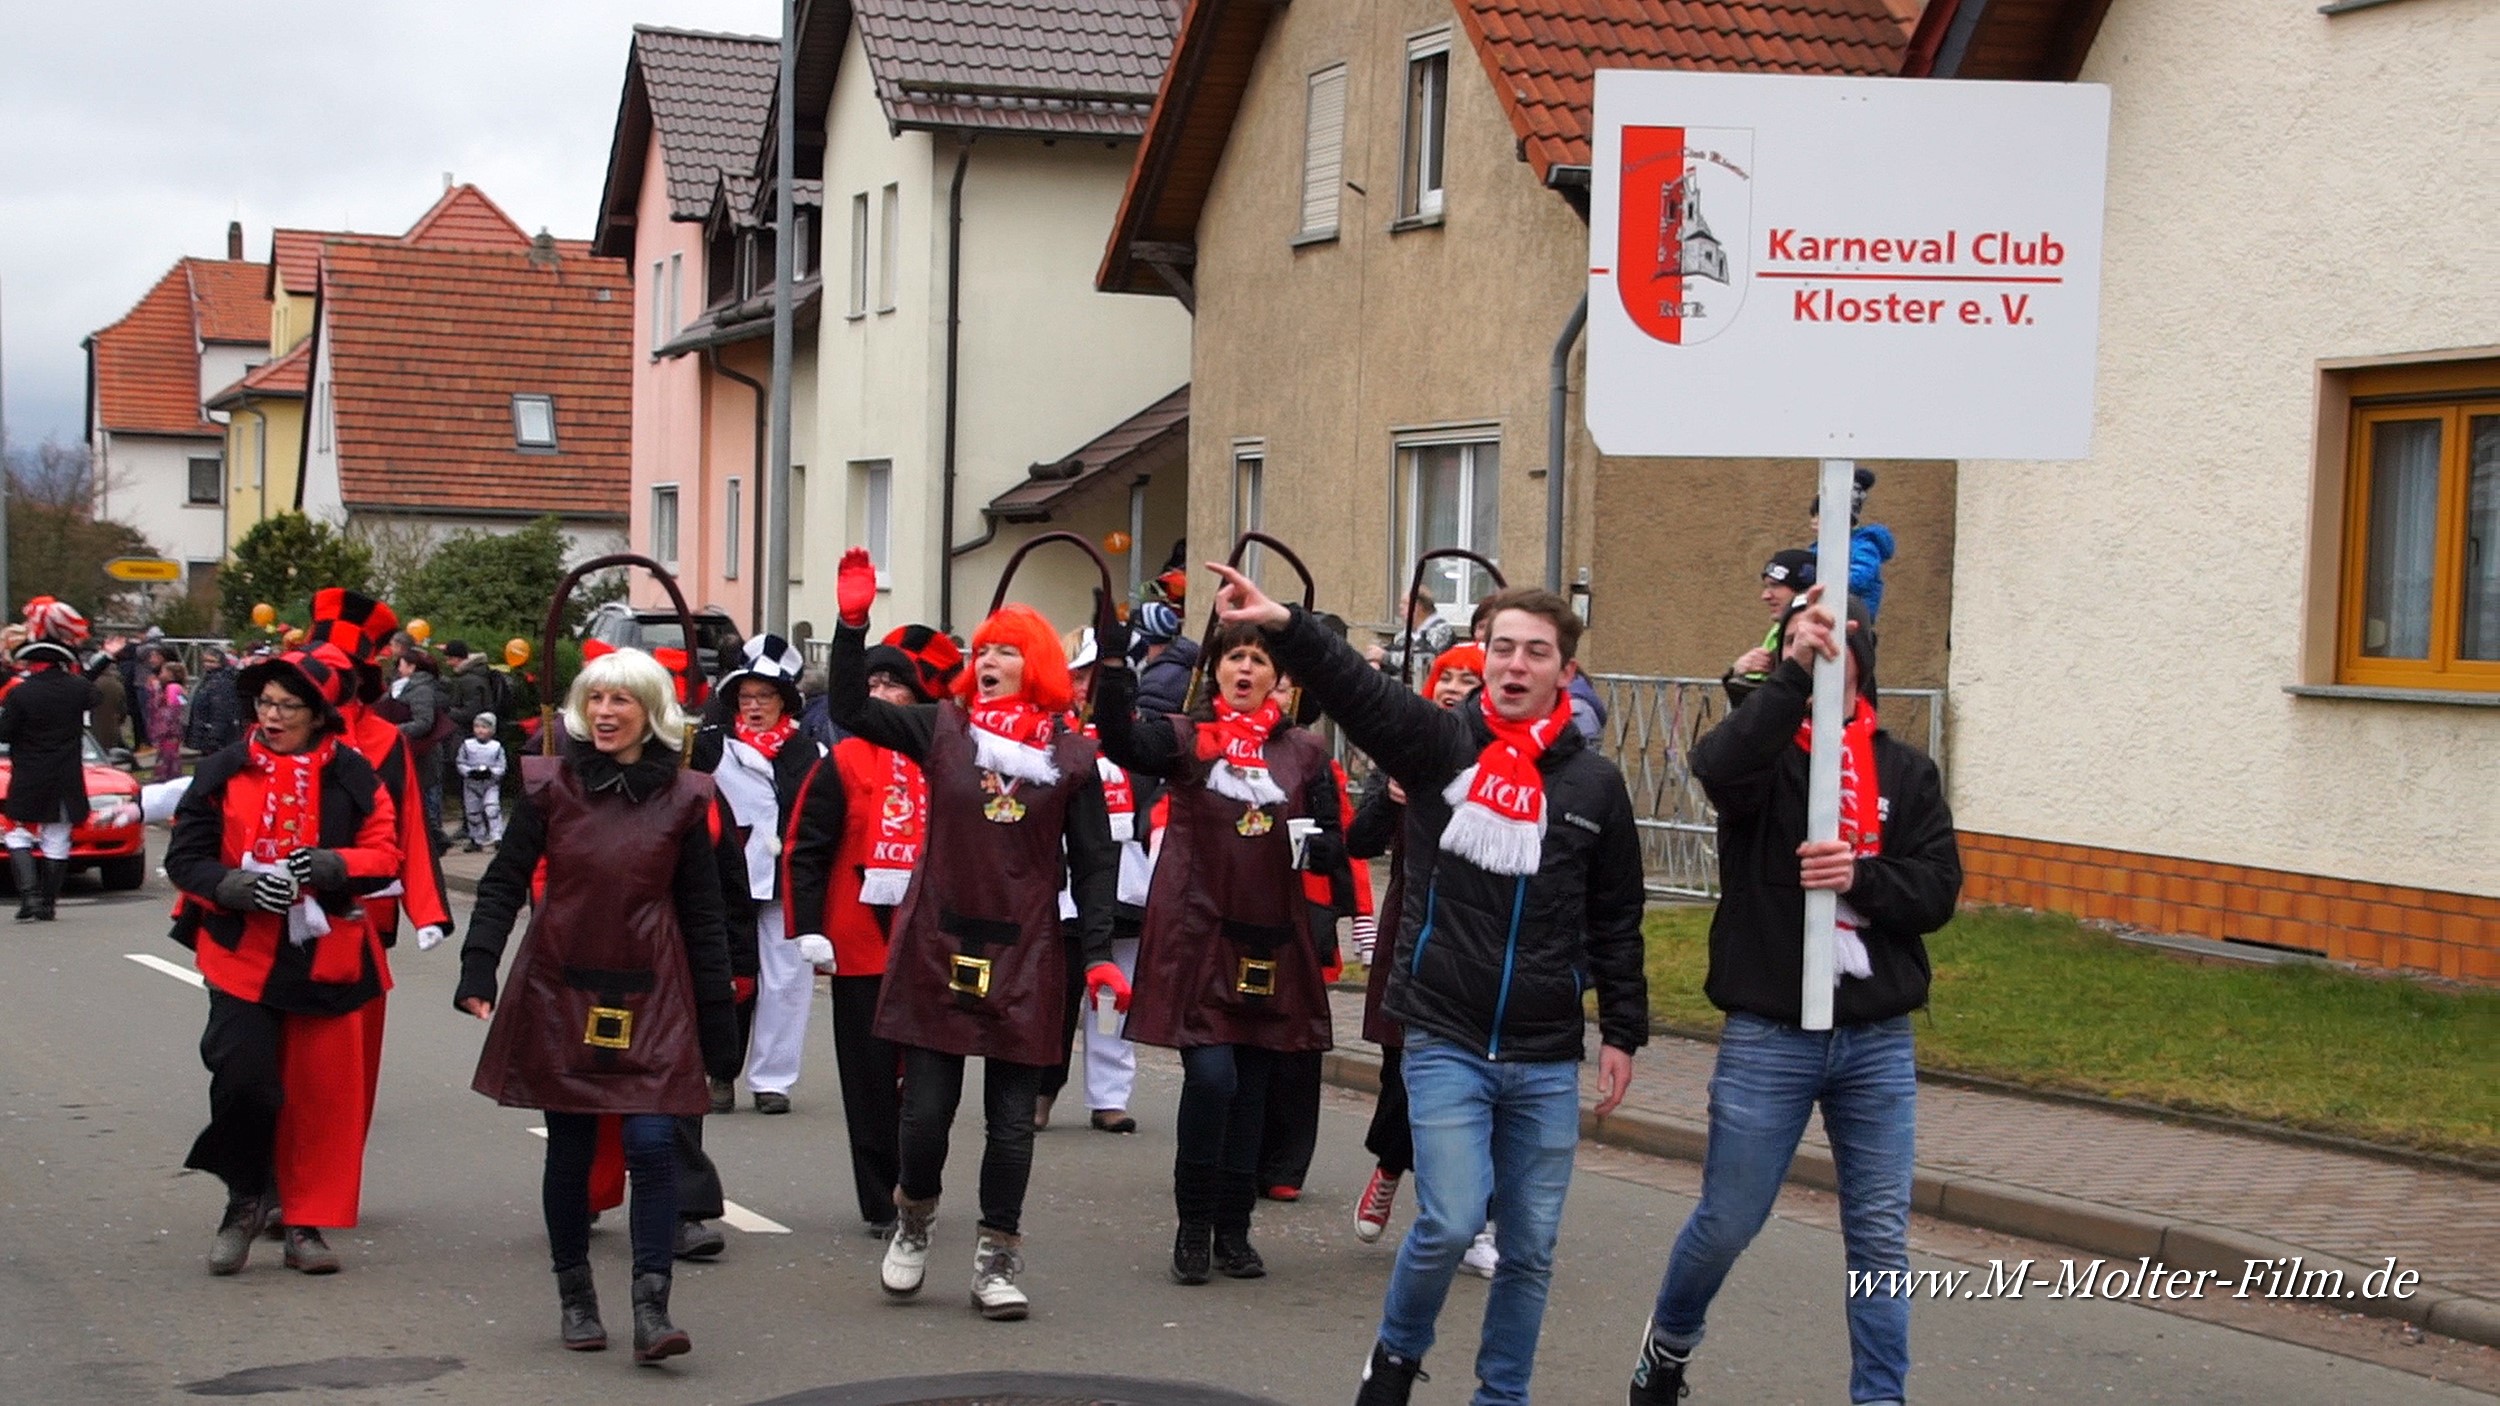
611	1028
1255	977
970	975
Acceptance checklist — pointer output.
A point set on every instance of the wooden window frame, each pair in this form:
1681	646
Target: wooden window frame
2453	393
1423	139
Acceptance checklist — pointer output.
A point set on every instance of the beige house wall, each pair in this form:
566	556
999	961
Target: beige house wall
1324	352
2282	194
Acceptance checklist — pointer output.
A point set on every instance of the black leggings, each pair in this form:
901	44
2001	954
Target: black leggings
872	1096
1292	1134
933	1087
651	1163
1222	1118
1392	1138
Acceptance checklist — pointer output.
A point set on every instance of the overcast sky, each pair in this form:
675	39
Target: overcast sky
131	132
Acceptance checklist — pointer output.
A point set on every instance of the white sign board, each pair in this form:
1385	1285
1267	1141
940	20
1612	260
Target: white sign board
1798	267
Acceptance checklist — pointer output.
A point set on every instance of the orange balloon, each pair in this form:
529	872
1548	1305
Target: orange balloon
264	615
516	652
420	631
1115	543
294	635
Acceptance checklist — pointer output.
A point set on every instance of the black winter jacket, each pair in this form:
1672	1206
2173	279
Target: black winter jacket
44	722
1755	773
1495	963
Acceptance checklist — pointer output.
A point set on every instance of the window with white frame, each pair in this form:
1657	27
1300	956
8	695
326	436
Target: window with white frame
859	255
208	480
874	482
676	292
1449	495
1249	497
659	295
325	424
1427	124
1323	153
733	517
889	245
664	524
534	423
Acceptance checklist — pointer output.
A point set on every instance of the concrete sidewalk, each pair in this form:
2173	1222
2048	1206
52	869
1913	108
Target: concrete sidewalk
2108	1183
2114	1184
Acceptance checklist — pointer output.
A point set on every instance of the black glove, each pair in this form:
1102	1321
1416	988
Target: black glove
1323	853
1324	934
1111	638
275	893
716	1025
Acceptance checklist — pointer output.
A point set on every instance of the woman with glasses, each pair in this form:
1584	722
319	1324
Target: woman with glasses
279	837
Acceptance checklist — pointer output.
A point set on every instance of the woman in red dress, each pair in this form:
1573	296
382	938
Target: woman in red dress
619	1001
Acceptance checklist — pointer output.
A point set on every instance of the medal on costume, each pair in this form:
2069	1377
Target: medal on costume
1254	822
1003	807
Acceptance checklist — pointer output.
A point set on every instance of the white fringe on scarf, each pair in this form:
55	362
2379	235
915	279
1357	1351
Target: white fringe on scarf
1490	841
1256	788
1849	957
1008	757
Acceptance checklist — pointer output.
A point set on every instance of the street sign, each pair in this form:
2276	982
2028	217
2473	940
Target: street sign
1800	267
154	569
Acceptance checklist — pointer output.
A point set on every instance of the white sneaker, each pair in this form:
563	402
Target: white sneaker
995	1264
906	1256
1481	1258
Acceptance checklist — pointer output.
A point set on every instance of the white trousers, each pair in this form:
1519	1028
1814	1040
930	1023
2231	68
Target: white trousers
1110	1060
52	838
785	984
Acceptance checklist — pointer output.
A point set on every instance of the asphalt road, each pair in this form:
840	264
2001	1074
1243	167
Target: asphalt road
446	1297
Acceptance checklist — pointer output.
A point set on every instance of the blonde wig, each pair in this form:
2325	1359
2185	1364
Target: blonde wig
636	673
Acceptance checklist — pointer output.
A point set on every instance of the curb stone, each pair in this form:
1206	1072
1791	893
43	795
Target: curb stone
2123	1235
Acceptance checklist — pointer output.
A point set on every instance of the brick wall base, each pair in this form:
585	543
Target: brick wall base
2454	935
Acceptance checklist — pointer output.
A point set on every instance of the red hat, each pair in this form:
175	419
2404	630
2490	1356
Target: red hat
1466	654
359	626
53	628
325	672
933	653
1046	682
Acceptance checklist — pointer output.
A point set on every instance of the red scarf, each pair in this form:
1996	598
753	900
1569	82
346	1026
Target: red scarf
1010	736
1119	795
1861	824
1236	743
768	742
290	808
902	823
1497	820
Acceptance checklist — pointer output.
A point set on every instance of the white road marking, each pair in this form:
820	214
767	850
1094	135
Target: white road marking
155	963
732	1214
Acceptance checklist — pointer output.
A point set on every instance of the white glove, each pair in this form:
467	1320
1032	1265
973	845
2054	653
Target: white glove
430	937
817	950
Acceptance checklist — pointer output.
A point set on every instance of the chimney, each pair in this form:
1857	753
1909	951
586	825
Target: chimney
234	240
447	183
543	251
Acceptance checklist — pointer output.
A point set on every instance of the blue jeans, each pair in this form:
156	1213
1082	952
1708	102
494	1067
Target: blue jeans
650	1161
1769	1076
1484	1131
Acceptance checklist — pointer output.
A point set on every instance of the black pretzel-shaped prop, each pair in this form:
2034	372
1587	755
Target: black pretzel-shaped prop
1206	644
1105	612
1406	605
547	704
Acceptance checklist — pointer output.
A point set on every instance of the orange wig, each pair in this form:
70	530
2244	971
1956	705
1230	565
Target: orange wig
1466	654
1046	682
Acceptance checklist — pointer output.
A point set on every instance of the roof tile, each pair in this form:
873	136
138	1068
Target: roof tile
147	365
1073	67
709	95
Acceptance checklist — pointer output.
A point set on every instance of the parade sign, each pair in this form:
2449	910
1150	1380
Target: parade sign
1799	267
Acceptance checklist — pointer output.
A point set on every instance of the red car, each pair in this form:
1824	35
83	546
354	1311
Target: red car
111	840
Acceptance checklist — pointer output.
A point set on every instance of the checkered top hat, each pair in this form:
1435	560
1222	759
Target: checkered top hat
324	672
359	627
54	630
933	653
774	660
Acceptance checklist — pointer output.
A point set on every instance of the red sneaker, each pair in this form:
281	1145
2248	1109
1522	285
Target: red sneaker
1284	1193
1371	1214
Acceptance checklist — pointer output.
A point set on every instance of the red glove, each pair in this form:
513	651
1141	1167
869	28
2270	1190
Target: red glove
1102	976
742	988
855	587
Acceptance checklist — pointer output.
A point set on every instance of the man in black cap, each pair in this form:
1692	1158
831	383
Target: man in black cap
1784	578
1897	873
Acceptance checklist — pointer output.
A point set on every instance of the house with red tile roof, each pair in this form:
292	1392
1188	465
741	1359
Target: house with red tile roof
458	380
1378	214
681	207
159	459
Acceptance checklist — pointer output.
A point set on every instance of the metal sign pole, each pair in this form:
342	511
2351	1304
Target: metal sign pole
1831	572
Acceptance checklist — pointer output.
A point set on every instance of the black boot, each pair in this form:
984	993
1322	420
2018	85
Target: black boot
29	881
582	1330
233	1245
1234	1257
50	875
654	1336
1388	1379
1193	1252
1658	1378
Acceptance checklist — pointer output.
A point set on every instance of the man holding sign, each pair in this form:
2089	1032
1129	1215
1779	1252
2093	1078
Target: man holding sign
1897	873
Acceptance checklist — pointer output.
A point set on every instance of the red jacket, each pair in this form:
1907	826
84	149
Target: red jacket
834	835
421	870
